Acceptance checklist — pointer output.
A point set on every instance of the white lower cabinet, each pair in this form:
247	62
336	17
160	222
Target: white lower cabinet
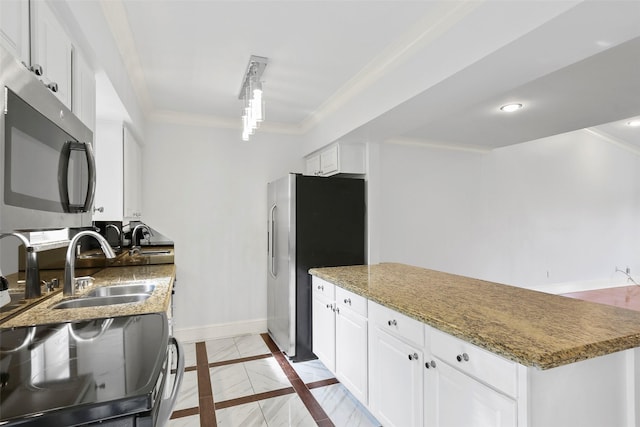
466	385
418	376
323	322
395	369
455	399
351	343
339	322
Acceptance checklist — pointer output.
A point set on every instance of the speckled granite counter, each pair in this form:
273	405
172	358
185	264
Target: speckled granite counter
529	327
161	275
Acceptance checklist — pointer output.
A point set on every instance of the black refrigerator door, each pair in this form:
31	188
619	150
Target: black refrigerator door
330	224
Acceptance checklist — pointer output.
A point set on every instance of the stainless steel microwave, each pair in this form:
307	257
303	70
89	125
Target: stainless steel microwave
48	166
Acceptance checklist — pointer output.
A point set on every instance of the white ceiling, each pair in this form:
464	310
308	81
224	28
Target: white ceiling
574	64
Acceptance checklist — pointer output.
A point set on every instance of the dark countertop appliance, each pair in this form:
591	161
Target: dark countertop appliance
114	371
313	222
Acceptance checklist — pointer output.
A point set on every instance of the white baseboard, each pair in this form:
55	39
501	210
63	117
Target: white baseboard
223	330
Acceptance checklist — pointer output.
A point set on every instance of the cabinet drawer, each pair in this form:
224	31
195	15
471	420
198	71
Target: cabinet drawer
489	368
355	302
322	287
397	324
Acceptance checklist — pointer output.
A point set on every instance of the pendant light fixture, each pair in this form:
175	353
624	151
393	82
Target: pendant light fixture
251	95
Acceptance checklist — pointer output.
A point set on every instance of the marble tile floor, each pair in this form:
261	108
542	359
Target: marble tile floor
246	381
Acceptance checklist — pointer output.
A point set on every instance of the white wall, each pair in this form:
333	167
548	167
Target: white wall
206	189
541	214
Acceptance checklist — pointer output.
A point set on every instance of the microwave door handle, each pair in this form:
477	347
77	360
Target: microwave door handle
63	176
91	166
166	406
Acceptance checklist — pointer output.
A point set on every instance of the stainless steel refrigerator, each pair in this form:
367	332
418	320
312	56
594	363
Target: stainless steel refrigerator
312	222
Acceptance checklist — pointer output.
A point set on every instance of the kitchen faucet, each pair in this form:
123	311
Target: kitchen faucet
135	231
70	262
32	272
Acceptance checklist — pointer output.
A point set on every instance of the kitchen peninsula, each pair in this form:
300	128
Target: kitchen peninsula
518	357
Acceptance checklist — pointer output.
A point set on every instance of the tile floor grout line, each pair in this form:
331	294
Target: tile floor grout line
322	383
205	393
184	413
309	401
254	398
239	360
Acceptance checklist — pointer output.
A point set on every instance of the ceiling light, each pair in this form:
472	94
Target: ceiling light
251	95
510	108
634	123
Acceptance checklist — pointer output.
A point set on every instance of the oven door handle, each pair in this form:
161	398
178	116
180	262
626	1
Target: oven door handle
167	405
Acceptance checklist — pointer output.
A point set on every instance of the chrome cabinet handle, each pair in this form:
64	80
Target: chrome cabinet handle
413	356
430	365
321	287
36	69
462	357
53	86
392	322
347	301
100	209
337	310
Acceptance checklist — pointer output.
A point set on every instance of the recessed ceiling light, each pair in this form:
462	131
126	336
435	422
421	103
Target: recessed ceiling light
634	123
510	108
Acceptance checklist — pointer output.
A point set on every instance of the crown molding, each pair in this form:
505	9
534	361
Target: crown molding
632	148
424	32
116	17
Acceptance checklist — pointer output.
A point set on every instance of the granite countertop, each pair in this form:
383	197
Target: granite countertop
40	311
532	328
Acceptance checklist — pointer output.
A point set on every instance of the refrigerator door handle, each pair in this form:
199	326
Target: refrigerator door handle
272	246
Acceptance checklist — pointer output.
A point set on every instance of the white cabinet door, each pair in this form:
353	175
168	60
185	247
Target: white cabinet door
324	330
51	49
313	165
453	399
395	380
14	28
329	161
351	352
84	91
109	173
132	177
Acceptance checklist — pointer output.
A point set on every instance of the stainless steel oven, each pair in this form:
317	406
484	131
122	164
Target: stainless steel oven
48	166
109	372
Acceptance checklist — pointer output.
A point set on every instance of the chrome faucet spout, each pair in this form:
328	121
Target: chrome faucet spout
32	271
135	232
68	288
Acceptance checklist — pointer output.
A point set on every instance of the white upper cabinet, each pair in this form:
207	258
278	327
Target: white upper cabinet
119	179
51	51
32	33
109	166
132	177
338	158
84	91
14	28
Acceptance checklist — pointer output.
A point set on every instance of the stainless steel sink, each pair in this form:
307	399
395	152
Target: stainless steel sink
138	288
100	301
